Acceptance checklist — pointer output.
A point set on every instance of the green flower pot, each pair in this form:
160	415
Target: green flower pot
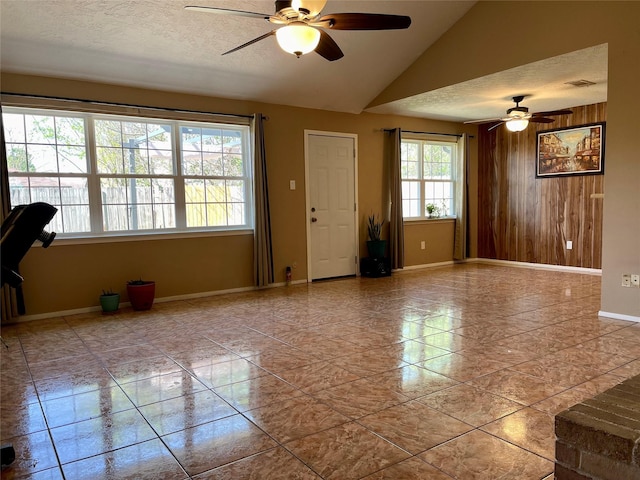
110	303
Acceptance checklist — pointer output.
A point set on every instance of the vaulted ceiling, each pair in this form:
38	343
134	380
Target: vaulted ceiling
158	44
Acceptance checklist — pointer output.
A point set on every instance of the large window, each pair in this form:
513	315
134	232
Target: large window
110	175
428	178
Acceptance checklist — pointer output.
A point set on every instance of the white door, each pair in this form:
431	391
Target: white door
331	205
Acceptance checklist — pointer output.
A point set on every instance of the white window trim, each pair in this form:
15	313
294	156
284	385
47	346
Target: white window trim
97	234
143	237
429	138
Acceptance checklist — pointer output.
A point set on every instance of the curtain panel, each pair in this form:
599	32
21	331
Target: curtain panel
9	303
396	219
461	200
262	250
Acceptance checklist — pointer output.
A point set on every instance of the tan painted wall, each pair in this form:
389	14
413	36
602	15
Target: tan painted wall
482	42
437	236
475	46
66	277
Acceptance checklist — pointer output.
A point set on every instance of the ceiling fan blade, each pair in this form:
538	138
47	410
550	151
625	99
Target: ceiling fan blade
553	113
365	21
492	127
328	48
251	42
227	11
484	120
541	120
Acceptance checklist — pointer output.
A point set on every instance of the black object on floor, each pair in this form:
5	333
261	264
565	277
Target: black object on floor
375	267
7	454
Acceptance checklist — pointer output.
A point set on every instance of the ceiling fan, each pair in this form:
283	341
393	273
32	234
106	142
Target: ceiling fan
519	117
301	26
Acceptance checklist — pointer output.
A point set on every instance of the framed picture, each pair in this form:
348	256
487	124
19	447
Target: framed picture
571	151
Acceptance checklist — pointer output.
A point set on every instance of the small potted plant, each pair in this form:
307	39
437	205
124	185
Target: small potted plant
141	293
433	211
109	301
375	245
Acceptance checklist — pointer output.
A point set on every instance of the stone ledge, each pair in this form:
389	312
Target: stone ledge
599	439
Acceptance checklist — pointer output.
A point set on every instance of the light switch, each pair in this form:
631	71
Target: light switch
292	184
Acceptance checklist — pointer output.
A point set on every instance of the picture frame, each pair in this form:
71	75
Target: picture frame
577	150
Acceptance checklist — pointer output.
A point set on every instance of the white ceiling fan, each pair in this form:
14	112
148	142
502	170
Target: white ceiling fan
518	118
301	28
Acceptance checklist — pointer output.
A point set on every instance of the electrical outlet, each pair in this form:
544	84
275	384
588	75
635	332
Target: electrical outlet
626	279
294	265
635	280
569	245
422	245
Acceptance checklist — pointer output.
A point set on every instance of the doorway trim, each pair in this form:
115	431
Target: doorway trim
354	137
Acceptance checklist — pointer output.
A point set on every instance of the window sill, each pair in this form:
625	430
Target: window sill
144	237
425	221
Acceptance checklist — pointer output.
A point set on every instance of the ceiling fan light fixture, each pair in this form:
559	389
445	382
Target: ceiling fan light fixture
298	38
517	124
312	7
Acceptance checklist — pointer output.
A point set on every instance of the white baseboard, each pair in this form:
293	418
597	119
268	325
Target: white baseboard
618	316
539	266
186	296
508	263
60	313
488	261
423	266
191	296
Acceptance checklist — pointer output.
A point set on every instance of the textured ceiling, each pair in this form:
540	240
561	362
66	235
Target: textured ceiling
544	84
157	44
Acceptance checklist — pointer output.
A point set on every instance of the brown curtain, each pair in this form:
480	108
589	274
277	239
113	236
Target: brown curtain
9	303
262	252
460	238
396	221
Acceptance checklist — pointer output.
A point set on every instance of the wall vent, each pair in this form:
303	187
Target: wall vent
580	83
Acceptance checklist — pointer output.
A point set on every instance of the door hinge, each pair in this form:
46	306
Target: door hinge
356	260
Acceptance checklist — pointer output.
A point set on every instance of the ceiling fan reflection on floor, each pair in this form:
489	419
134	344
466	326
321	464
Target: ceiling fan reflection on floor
301	26
519	117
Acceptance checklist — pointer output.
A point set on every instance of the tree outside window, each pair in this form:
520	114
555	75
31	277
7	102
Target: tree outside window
115	174
428	178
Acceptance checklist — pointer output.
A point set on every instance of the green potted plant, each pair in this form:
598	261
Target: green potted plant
433	211
109	301
375	245
141	293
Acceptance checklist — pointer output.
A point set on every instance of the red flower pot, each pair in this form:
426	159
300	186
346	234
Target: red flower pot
141	294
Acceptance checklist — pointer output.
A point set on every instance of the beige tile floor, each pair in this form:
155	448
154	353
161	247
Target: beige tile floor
453	372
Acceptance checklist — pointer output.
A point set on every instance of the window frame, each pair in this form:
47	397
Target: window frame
93	177
422	181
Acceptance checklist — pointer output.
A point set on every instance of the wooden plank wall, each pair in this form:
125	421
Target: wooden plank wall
527	219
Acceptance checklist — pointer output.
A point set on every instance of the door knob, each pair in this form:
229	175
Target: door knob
314	219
